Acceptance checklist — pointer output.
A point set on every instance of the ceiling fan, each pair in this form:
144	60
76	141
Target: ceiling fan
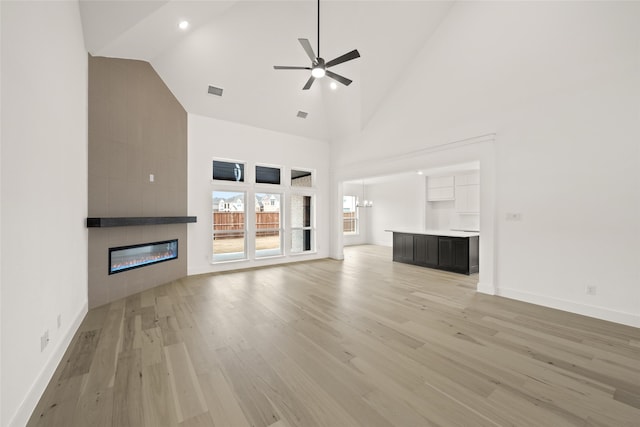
319	68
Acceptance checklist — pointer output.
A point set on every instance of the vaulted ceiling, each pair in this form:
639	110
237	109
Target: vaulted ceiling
235	44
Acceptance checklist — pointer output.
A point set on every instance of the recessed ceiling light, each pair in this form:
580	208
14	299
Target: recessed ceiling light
420	172
183	25
333	85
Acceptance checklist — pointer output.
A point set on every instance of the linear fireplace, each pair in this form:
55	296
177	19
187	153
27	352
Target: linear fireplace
125	258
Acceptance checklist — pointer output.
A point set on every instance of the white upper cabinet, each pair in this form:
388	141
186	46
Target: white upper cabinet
467	192
440	188
468	179
440	181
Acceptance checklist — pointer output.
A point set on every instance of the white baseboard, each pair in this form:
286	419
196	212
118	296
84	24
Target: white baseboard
621	317
486	288
32	398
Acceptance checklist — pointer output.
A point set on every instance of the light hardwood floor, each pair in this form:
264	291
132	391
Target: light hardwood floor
363	342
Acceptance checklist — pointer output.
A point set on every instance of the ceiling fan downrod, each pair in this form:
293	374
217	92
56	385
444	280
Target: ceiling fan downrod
318	28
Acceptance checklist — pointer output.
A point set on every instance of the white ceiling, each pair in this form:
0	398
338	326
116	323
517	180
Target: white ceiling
234	45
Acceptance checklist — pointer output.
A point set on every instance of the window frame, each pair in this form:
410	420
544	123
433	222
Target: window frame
311	172
245	168
264	165
312	222
245	230
250	188
280	229
355	220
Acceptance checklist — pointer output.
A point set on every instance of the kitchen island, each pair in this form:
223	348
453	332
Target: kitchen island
450	250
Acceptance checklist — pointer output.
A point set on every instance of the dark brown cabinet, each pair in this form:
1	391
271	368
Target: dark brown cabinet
403	247
425	250
457	254
454	254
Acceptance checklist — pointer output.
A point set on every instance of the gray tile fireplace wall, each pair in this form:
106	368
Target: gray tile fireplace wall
137	128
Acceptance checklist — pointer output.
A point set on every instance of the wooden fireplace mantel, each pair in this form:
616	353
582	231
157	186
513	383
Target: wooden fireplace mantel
138	220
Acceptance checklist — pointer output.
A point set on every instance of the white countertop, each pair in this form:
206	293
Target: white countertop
445	233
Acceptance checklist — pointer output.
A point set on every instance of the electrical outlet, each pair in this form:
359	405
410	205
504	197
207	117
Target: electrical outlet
44	340
59	320
591	290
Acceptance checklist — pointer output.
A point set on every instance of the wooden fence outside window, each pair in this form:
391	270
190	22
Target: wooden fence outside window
349	222
231	221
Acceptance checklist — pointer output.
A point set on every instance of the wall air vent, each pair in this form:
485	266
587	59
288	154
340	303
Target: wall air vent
215	90
302	114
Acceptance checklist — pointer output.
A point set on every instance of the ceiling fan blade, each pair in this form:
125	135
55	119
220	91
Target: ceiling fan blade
344	58
307	48
309	83
286	67
345	81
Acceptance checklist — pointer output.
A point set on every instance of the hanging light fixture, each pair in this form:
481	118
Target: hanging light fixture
365	203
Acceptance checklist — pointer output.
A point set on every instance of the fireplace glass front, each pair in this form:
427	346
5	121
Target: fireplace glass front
125	258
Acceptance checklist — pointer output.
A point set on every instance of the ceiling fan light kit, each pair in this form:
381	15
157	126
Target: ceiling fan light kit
319	68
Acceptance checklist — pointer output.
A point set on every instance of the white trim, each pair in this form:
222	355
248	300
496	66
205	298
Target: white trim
38	387
486	288
228	261
354	168
624	318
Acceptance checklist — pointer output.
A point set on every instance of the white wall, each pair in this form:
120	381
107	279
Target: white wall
438	214
210	138
1	133
398	204
44	195
562	93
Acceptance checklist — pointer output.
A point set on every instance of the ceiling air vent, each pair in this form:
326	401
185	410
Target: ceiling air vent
215	90
302	114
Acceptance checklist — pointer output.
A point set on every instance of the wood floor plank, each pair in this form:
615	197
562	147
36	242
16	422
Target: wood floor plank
148	317
256	406
127	391
94	409
525	412
78	362
56	407
188	398
324	409
431	410
221	401
101	375
361	342
200	420
343	383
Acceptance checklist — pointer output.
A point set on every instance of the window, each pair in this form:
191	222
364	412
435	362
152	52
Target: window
302	230
268	225
229	225
250	220
267	175
228	171
349	215
300	178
